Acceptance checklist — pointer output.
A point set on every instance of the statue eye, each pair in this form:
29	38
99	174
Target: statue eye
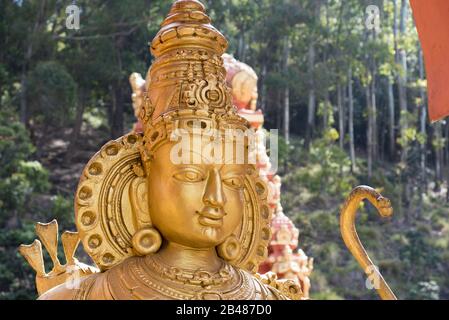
234	182
189	175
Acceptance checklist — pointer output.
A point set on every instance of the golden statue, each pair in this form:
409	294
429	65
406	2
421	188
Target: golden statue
163	218
158	229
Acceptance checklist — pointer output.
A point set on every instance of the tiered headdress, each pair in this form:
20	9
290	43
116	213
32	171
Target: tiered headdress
187	81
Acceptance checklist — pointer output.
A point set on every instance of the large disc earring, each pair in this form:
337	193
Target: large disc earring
230	248
146	241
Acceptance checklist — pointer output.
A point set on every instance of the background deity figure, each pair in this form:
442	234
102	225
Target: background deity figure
242	80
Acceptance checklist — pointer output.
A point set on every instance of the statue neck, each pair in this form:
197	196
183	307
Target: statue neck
182	257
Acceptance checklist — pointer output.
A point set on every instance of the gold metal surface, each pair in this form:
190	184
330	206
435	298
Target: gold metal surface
70	272
351	238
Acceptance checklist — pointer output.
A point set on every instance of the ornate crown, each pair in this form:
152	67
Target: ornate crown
187	81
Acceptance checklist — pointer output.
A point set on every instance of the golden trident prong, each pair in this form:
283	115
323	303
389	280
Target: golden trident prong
352	240
48	234
70	241
33	254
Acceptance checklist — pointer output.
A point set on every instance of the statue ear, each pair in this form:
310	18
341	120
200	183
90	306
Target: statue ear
138	194
146	239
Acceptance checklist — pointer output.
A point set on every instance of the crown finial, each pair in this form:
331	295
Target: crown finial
181	5
187	25
188	71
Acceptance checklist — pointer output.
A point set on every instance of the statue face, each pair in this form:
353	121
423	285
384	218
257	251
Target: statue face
254	97
195	205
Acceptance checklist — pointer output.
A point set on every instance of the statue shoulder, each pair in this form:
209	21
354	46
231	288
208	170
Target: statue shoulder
275	289
93	287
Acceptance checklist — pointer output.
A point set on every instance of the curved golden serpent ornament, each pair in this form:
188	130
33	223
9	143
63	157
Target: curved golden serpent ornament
352	240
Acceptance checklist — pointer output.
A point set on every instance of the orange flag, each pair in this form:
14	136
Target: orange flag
432	22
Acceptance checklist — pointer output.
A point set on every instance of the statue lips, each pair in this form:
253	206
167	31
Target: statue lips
211	217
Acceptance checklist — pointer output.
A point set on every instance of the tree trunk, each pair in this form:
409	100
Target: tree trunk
287	115
111	106
391	122
374	139
390	84
78	124
312	101
286	92
422	185
423	119
351	121
369	134
27	60
382	136
326	111
447	161
279	108
117	127
242	47
23	93
402	78
438	156
311	54
341	116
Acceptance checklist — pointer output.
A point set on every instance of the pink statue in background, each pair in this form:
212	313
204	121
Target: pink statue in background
284	258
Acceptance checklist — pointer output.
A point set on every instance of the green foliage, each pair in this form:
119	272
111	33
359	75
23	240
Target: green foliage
15	143
16	276
51	94
425	291
16	188
62	210
412	256
19	178
325	170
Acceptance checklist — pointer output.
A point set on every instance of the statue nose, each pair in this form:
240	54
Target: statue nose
213	195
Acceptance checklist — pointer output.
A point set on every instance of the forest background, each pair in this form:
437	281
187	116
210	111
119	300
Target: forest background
348	95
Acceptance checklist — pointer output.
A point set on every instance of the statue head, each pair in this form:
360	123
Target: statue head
190	178
243	81
194	195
